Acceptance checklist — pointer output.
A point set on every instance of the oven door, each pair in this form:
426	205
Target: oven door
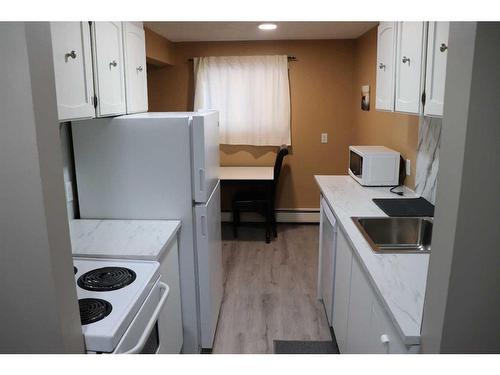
142	336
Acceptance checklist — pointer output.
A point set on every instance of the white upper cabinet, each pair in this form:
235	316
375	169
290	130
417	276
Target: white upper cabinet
135	67
410	54
437	53
386	46
109	68
73	70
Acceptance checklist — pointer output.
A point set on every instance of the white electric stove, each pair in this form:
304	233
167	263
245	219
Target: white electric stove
119	304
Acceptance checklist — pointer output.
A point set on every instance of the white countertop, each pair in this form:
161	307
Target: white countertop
125	239
398	279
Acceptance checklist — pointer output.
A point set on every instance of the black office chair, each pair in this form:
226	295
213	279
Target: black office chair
262	202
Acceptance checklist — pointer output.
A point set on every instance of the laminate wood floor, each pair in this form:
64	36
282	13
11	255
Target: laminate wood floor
270	289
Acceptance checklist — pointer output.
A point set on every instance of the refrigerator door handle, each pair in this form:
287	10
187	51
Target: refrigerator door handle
202	179
203	226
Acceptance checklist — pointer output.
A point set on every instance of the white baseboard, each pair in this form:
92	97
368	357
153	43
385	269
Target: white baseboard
298	215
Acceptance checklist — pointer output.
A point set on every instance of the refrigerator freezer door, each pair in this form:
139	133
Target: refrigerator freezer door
210	272
205	146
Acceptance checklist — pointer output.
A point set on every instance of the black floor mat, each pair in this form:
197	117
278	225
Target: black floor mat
304	347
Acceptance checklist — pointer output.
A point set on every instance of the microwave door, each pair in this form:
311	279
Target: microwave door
356	164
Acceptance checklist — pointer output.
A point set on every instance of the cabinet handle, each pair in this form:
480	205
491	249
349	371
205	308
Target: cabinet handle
384	339
113	63
139	68
443	47
406	60
71	54
381	66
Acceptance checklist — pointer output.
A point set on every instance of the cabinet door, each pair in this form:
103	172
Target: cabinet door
384	336
370	330
109	68
135	67
386	46
437	53
409	58
327	256
360	310
73	70
342	286
170	320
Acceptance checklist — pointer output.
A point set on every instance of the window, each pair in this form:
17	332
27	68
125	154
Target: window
251	94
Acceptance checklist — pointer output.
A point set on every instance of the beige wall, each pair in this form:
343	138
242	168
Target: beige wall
159	51
325	86
393	130
321	96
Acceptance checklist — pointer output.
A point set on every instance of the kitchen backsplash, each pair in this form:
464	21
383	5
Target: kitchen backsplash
429	139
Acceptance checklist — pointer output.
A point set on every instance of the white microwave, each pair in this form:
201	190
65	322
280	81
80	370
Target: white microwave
374	165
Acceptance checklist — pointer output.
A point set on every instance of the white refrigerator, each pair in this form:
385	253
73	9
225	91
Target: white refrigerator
161	165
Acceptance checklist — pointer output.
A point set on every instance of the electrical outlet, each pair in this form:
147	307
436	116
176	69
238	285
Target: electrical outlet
69	191
324	137
408	167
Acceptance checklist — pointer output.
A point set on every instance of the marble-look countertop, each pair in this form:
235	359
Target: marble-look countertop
398	279
126	239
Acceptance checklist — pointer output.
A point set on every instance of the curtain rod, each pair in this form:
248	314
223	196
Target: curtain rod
290	58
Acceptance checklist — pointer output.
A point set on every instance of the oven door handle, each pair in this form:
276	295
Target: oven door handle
147	331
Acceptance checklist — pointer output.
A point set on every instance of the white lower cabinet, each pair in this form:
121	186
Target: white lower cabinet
359	336
386	339
341	291
370	329
170	320
360	322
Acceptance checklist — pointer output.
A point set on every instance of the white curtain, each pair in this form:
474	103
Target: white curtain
251	94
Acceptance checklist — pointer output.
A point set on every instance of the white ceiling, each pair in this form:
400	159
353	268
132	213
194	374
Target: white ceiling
225	31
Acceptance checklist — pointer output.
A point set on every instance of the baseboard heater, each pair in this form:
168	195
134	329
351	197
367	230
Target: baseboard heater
299	215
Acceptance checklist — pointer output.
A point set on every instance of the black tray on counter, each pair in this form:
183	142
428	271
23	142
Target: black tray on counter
405	207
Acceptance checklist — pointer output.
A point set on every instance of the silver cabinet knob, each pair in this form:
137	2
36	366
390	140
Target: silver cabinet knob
406	60
443	47
113	63
381	66
71	54
139	68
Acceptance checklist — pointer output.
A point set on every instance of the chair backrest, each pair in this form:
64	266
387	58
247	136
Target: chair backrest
283	151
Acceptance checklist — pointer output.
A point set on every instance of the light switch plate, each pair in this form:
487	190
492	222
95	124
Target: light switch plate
408	167
324	137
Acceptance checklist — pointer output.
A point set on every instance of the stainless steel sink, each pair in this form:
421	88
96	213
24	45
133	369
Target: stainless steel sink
396	234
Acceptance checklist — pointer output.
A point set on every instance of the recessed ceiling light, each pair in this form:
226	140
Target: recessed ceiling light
267	26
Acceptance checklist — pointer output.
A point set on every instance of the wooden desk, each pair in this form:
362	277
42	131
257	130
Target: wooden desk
253	179
246	173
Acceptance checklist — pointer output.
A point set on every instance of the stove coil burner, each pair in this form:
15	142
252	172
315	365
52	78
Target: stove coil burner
93	309
75	270
106	279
